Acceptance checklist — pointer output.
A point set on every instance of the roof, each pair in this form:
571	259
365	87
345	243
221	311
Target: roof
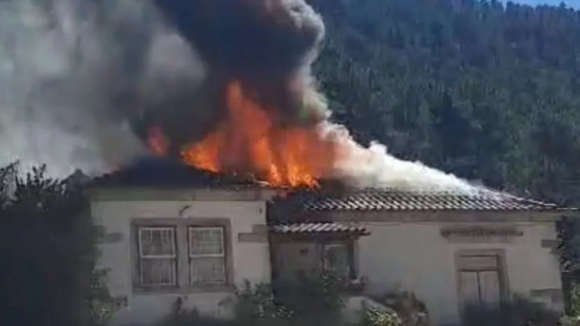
318	228
164	173
393	200
154	172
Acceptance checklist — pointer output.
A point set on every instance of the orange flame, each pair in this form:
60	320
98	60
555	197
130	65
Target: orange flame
249	141
157	141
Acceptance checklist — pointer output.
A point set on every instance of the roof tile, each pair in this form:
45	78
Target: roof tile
317	228
392	200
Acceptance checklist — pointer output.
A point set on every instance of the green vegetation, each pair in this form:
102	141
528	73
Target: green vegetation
374	317
487	91
47	254
308	302
256	306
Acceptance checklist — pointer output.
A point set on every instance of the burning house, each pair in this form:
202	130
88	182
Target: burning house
171	232
221	204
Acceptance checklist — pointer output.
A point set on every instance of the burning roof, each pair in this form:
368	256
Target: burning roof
257	110
163	173
331	196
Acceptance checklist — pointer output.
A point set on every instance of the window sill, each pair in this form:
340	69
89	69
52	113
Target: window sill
208	288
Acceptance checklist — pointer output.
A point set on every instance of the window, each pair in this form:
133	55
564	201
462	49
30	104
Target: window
157	256
206	255
336	259
481	285
181	253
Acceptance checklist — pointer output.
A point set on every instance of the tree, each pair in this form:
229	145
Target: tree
481	89
47	252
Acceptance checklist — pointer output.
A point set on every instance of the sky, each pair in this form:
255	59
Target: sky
571	3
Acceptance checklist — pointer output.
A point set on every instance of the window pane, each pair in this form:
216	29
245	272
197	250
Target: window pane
469	289
336	259
158	272
490	289
206	241
157	241
207	270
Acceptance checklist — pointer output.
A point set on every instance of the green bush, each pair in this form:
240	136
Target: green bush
374	317
519	312
46	250
256	305
310	301
310	296
411	310
47	254
570	321
102	306
574	319
575	299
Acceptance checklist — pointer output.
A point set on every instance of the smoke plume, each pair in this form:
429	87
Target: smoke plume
70	72
223	85
269	45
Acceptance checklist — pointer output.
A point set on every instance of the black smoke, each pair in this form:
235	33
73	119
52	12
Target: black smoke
88	76
265	45
249	37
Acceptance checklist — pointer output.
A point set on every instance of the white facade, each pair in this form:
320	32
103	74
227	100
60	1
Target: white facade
115	211
415	257
403	252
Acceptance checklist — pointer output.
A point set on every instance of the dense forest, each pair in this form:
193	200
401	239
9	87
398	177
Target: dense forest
485	90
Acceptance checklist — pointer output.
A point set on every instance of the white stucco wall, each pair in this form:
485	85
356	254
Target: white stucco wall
415	257
251	260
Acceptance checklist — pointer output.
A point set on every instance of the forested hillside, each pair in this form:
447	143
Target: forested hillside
487	91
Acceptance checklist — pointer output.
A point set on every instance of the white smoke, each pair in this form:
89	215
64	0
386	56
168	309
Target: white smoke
374	167
66	69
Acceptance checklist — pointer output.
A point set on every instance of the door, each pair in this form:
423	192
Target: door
480	282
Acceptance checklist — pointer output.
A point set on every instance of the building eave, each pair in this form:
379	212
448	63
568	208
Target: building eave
435	216
182	193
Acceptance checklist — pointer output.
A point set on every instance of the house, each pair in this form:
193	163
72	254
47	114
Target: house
173	234
450	250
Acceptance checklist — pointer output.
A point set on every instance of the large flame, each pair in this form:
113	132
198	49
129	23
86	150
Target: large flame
250	140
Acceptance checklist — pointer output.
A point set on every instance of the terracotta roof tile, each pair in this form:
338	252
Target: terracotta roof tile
317	228
391	200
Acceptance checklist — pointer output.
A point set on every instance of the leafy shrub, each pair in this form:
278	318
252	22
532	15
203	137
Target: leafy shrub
574	319
309	301
519	312
570	321
411	310
313	295
374	317
575	299
257	305
102	306
46	250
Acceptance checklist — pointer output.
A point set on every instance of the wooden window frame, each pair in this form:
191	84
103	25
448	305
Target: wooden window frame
182	226
351	251
141	256
501	268
221	255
